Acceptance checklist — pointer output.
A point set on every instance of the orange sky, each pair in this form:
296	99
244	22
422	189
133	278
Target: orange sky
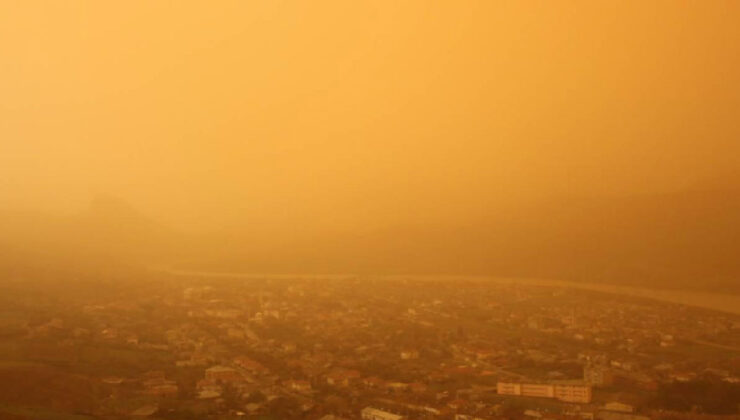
341	114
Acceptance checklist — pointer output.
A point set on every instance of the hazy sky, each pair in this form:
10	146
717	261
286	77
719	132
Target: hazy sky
339	114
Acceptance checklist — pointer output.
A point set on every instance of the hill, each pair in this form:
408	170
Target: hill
686	239
682	240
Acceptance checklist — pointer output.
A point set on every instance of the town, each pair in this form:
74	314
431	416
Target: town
205	347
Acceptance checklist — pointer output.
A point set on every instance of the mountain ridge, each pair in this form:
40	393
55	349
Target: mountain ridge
687	239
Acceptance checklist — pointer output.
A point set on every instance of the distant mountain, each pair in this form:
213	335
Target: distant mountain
687	239
115	226
108	234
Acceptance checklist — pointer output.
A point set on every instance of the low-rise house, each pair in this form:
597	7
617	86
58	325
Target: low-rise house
222	374
208	389
618	406
342	377
250	365
371	413
409	354
297	385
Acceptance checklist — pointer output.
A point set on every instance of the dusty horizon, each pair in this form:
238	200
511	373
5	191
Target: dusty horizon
342	116
376	210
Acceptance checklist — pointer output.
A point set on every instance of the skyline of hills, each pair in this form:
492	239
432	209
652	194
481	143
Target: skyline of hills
686	240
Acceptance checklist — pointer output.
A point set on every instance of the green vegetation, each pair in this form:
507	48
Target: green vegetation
39	413
713	397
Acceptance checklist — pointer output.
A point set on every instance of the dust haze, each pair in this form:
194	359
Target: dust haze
594	141
379	210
